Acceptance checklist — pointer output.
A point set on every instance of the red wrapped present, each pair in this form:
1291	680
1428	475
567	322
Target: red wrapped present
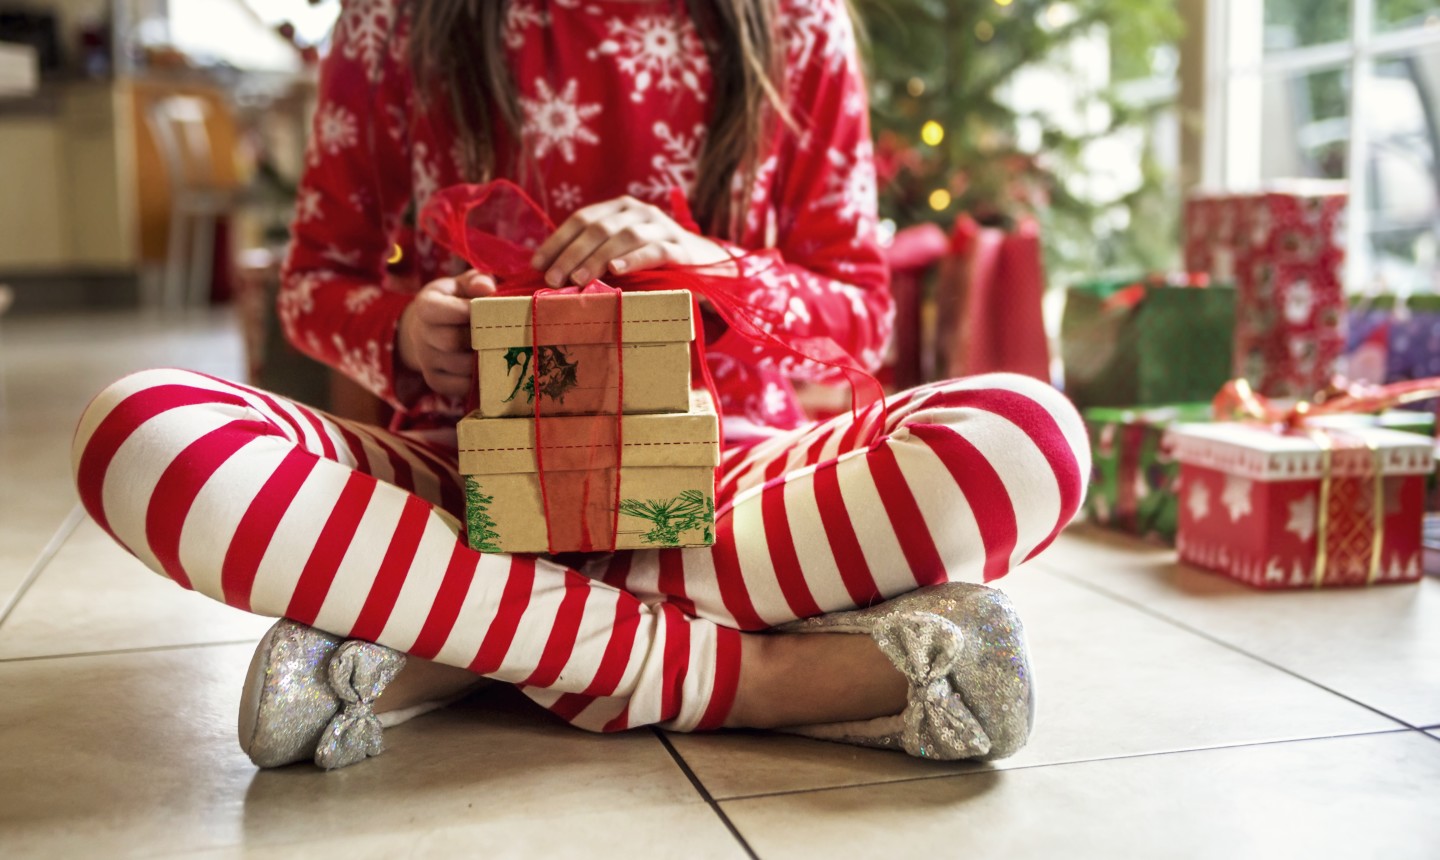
1305	507
1283	250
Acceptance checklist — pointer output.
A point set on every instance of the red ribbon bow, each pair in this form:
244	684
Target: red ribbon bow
496	227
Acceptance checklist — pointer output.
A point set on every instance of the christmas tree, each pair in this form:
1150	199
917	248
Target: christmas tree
995	108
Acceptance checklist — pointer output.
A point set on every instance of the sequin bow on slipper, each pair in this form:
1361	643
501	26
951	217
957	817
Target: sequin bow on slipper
310	695
962	649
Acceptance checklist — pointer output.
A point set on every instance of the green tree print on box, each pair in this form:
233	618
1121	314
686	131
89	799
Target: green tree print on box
479	527
555	372
671	518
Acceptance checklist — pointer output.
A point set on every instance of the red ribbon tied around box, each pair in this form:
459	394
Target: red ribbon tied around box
1350	526
495	227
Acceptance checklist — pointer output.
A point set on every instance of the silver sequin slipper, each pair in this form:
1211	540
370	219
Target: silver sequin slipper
962	648
310	695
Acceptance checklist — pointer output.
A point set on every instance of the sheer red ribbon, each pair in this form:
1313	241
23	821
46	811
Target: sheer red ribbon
496	228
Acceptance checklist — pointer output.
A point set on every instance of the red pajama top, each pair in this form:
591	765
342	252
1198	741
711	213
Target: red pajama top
615	98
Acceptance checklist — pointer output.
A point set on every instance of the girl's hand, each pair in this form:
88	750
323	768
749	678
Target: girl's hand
434	332
619	236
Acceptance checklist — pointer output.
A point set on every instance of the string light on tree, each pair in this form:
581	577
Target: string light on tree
1003	2
932	133
940	199
984	31
915	87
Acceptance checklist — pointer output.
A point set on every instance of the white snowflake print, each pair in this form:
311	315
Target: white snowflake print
854	103
759	214
1198	501
336	130
362	30
658	51
566	197
850	191
519	16
1236	497
818	32
555	121
334	254
396	122
362	364
674	165
360	298
775	399
307	206
297	300
424	176
1302	517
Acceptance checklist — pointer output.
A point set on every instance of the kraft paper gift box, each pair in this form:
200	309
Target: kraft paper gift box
575	366
666	492
1133	474
1145	343
1276	510
1283	249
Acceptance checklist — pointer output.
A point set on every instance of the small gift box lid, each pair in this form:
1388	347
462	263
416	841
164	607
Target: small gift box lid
1265	455
497	446
659	316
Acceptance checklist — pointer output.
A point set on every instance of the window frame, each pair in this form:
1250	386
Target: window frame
1235	57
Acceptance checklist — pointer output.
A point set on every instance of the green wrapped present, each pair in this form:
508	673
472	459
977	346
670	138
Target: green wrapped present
1132	482
1146	343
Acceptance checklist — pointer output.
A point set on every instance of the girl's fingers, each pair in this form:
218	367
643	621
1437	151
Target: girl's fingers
627	241
576	224
567	266
447	338
474	285
648	256
452	363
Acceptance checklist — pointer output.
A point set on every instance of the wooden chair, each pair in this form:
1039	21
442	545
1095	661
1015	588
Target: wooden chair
197	199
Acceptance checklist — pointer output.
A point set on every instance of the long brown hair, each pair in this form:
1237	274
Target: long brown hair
456	48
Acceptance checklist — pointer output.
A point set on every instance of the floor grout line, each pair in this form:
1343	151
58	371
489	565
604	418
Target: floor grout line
1175	622
1023	767
704	792
52	547
146	649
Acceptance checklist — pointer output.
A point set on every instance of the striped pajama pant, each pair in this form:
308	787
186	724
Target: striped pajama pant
282	510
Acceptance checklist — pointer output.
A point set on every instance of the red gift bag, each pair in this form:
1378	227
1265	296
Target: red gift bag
990	316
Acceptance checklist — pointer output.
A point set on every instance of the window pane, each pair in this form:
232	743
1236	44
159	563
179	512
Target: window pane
1305	130
1401	118
1405	14
1298	23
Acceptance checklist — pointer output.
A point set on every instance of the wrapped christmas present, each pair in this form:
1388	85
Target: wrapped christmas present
1392	338
1148	341
1132	483
572	370
1283	249
1299	496
649	483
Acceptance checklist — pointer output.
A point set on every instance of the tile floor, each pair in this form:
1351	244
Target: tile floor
1179	716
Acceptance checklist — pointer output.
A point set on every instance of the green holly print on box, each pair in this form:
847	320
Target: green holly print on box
671	518
1133	477
555	372
479	527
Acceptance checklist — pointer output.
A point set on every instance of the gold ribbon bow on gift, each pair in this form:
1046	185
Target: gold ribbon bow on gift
1350	522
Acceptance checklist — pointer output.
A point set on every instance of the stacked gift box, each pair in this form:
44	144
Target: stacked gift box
1283	250
631	446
